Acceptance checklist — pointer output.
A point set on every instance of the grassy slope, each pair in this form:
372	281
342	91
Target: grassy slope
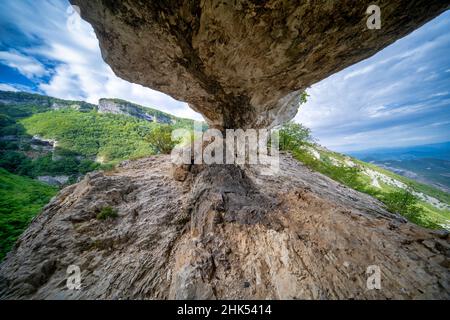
21	199
431	191
434	214
431	216
417	186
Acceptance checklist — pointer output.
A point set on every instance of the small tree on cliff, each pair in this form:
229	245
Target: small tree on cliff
404	202
293	136
303	98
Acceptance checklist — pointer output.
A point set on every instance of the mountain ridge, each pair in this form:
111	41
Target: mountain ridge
428	163
439	150
52	103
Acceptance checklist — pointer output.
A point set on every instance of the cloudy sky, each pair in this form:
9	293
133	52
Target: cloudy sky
399	97
46	48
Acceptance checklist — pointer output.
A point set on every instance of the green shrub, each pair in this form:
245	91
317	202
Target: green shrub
6	120
303	97
160	139
349	176
402	202
8	145
107	213
293	136
86	166
18	163
108	167
405	203
15	162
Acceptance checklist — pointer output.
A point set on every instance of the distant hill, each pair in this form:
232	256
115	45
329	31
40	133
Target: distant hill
429	164
23	104
431	151
58	141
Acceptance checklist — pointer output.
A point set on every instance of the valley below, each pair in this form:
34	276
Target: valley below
428	164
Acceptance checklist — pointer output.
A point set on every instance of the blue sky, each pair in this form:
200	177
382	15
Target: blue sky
399	97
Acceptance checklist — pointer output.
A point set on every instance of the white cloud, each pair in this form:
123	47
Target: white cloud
432	76
64	84
80	72
439	94
26	65
7	87
359	72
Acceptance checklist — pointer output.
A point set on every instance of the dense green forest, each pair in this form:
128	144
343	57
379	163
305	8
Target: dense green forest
21	198
106	136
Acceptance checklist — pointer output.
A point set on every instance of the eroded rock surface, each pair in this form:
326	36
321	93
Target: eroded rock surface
294	235
242	63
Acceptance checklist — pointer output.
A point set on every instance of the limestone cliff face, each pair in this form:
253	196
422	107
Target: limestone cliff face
130	109
242	63
226	232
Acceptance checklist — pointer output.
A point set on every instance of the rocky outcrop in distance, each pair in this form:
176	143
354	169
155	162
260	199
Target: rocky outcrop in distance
116	106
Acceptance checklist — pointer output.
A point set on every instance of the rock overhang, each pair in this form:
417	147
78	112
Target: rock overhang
243	64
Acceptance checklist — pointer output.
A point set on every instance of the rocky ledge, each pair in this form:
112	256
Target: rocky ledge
225	232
